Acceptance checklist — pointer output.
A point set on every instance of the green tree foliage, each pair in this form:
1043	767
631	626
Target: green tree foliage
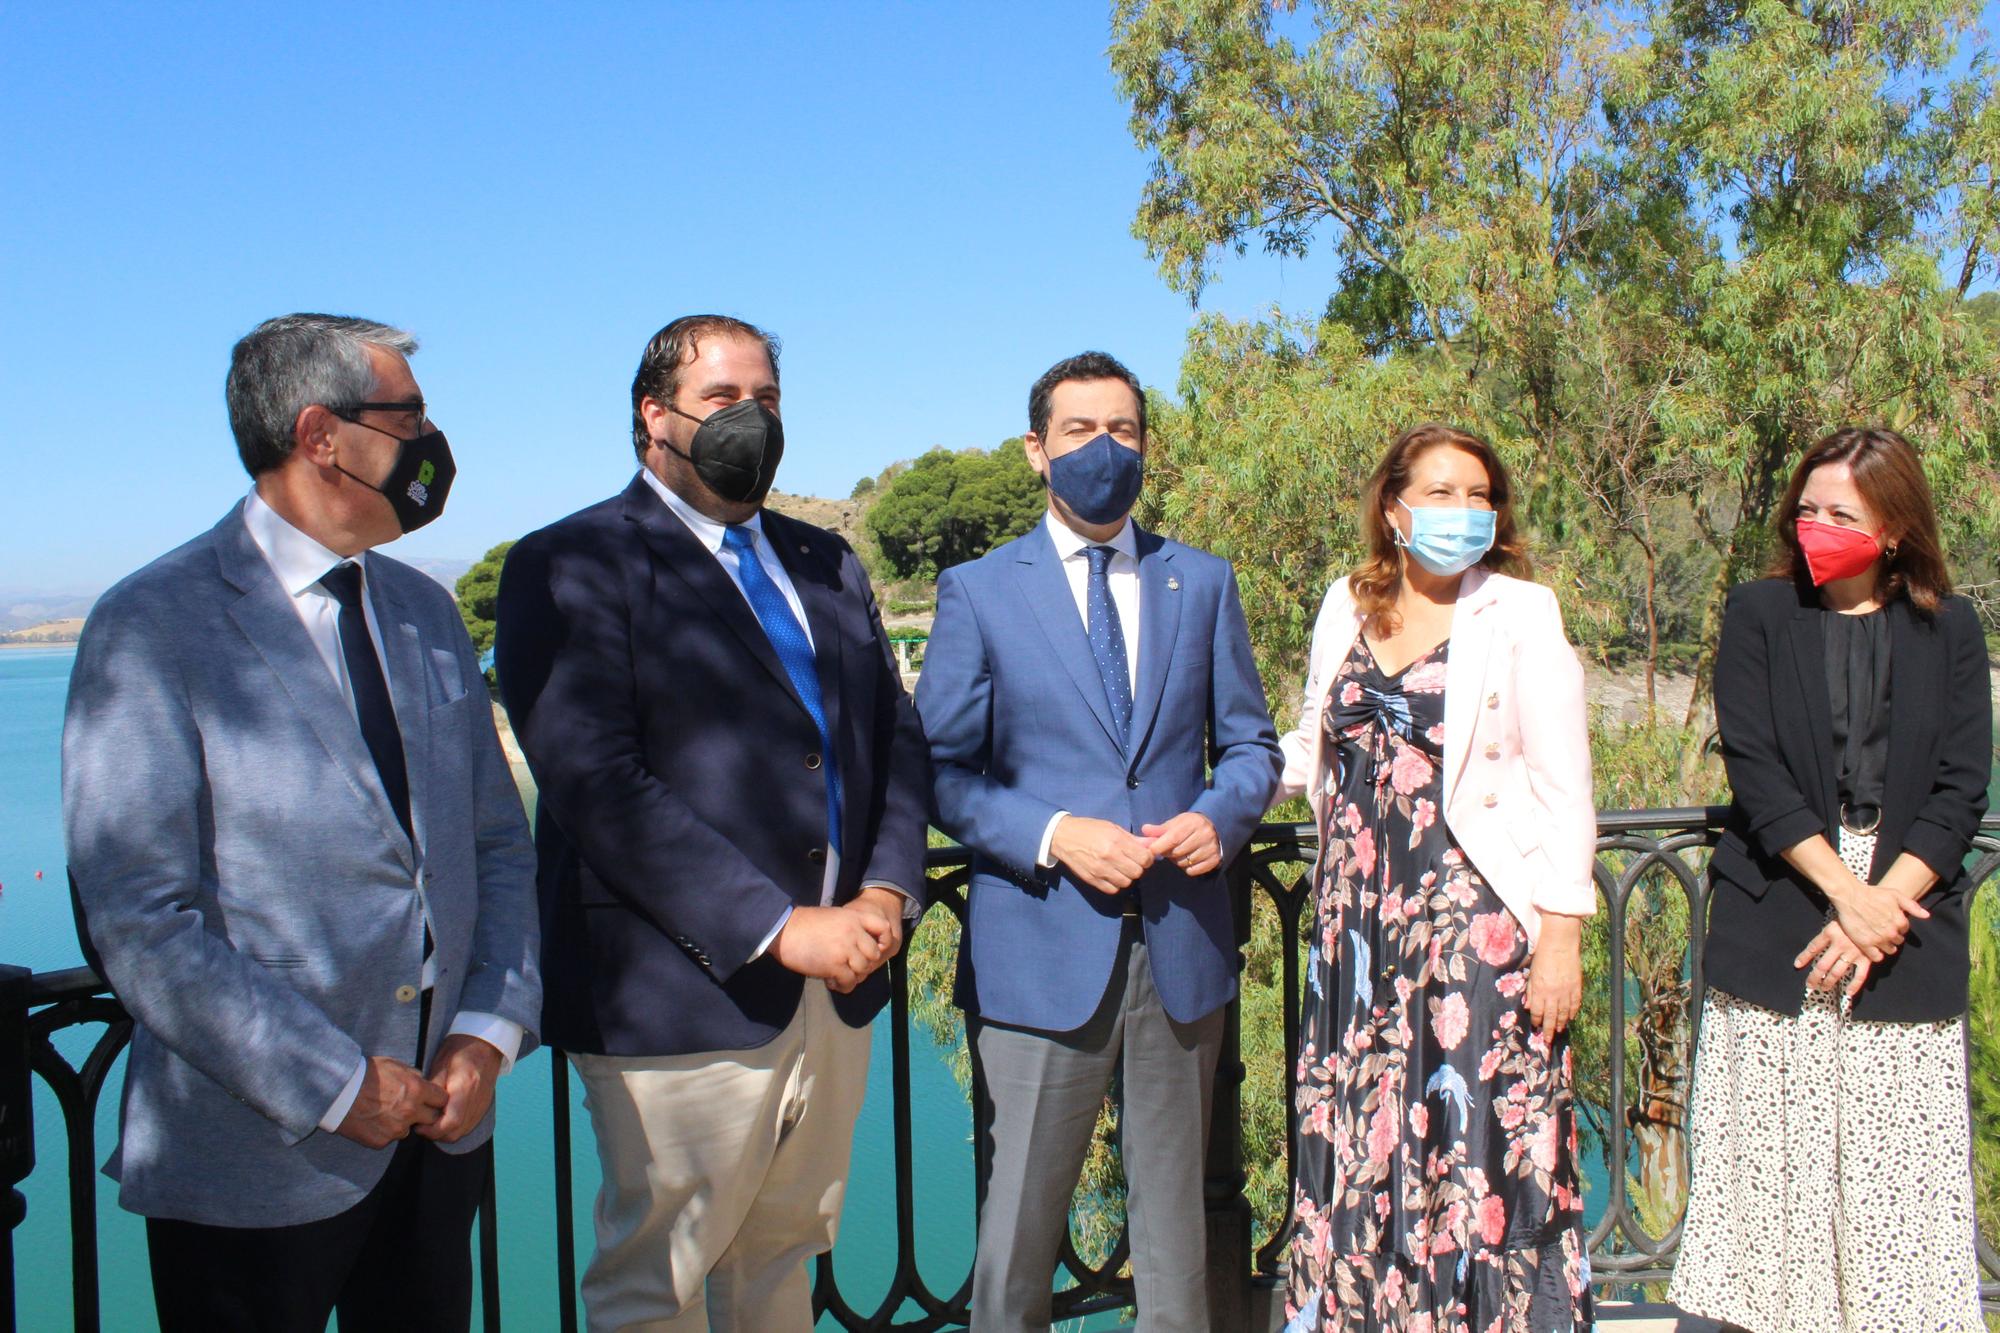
1651	251
946	508
478	591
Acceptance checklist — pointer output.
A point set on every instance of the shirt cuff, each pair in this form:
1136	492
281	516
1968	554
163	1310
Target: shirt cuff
772	938
1043	857
503	1034
912	909
336	1114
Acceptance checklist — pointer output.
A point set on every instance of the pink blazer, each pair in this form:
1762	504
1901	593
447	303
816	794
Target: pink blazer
1517	792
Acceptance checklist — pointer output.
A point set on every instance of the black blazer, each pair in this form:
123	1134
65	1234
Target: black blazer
1776	723
682	803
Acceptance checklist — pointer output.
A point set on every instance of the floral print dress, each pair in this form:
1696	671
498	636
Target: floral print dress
1437	1187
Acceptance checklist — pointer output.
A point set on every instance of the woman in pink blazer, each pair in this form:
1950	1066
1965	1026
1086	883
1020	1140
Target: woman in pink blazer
1442	745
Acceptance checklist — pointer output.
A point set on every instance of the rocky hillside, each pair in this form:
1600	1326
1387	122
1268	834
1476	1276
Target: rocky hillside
841	516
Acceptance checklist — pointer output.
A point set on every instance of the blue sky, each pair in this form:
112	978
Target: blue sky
928	203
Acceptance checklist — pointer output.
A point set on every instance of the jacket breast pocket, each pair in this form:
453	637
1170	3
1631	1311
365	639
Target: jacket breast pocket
447	678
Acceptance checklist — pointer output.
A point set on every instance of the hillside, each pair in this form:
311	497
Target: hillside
841	516
47	632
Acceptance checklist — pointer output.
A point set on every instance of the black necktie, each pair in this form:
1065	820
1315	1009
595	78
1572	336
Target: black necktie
378	726
371	688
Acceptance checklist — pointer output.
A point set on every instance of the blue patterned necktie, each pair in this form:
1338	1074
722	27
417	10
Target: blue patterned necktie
795	652
1107	641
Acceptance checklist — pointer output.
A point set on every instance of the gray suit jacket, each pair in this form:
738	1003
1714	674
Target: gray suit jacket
255	902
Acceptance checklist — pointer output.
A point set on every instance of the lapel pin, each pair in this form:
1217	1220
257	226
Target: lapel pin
1173	584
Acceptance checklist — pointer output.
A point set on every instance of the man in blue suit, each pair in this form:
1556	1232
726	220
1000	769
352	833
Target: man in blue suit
304	864
731	835
1078	686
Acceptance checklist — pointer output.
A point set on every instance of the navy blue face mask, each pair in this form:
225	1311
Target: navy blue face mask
1100	481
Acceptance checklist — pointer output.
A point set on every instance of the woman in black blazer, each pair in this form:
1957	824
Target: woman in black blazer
1830	1132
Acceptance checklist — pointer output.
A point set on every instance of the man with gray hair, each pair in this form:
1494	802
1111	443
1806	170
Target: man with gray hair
302	859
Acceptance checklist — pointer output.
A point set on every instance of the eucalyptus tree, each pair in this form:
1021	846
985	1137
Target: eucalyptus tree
1652	250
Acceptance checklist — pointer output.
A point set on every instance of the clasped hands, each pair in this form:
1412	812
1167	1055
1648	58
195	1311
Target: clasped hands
1109	859
842	945
1870	923
396	1101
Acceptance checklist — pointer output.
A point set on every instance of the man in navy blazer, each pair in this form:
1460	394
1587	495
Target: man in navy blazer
1079	685
731	837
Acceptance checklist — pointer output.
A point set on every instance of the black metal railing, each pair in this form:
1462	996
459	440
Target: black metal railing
1649	850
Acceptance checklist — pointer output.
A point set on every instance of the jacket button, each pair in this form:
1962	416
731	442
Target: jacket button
812	761
817	856
1131	782
1492	701
405	993
1490	801
1493	751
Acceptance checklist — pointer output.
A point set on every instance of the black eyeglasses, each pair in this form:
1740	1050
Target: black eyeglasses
416	405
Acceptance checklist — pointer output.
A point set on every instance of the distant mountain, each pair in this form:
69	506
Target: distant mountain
445	571
23	610
29	609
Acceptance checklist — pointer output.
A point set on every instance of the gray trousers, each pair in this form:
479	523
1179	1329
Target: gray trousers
1043	1091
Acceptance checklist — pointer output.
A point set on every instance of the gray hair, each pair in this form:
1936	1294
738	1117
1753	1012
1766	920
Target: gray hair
293	362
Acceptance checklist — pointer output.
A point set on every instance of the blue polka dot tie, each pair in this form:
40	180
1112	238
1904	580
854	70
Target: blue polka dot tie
795	653
1107	641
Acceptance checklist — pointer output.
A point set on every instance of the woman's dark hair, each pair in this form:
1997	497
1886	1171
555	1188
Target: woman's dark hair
1891	479
1380	577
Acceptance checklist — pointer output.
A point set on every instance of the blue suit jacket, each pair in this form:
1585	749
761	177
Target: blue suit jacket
1019	728
254	901
682	802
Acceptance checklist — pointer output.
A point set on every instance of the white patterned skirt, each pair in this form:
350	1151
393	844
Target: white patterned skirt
1832	1162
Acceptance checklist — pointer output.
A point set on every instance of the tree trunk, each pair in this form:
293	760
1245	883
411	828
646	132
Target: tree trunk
1711	630
1659	1119
1652	619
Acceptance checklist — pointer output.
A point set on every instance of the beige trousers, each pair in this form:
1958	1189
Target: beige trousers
723	1174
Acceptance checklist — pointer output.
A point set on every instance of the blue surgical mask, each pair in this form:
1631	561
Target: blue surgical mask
1445	540
1099	481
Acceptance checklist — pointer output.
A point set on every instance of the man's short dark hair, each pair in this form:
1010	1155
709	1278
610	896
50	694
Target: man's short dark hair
287	364
1082	366
659	376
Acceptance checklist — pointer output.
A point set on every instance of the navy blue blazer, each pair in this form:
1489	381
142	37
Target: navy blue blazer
682	800
1019	728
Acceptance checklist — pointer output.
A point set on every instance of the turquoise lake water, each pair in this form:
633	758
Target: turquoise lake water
36	932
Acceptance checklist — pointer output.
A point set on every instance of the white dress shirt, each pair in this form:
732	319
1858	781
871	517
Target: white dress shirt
299	561
1122	573
709	533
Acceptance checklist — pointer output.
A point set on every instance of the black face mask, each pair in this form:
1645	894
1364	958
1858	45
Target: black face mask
735	450
421	478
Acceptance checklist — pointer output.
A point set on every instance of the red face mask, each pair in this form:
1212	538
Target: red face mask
1833	552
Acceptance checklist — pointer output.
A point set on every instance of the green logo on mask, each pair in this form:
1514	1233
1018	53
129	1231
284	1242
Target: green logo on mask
426	472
